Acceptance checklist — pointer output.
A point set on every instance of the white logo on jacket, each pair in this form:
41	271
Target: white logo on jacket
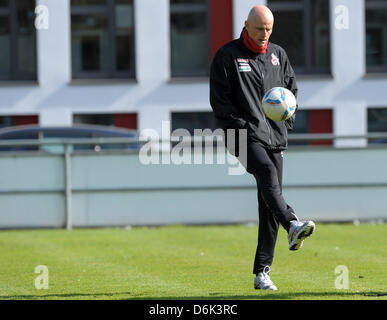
275	60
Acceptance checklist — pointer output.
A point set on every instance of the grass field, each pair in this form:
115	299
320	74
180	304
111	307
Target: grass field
180	262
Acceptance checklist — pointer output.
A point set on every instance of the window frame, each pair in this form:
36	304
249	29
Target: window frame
375	141
112	72
305	6
14	74
373	5
370	109
190	8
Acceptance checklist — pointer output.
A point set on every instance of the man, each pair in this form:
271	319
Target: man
241	72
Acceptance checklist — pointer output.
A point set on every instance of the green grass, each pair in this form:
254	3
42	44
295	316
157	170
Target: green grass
180	262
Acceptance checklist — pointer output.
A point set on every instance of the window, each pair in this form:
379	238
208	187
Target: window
17	40
102	38
377	122
313	121
193	120
121	120
190	42
376	35
301	27
9	121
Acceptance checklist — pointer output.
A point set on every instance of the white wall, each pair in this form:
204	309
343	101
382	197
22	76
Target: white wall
348	67
152	40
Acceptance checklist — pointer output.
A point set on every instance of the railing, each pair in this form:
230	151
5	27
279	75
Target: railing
329	136
294	137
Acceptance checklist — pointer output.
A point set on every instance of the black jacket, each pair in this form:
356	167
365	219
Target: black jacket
239	79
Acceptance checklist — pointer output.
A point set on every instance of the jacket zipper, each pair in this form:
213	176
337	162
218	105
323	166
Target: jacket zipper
267	124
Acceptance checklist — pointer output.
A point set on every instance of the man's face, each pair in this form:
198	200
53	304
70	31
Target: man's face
259	30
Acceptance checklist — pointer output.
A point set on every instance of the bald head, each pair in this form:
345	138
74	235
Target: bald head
259	24
262	14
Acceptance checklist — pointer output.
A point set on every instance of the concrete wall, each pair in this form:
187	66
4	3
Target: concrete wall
116	189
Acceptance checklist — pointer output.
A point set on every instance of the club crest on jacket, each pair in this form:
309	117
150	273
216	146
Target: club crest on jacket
275	60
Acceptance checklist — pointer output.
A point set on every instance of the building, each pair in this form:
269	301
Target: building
135	63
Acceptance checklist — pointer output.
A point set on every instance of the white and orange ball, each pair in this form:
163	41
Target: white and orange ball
279	104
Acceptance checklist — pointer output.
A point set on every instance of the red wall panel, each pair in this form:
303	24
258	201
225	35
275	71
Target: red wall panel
22	120
221	29
320	121
126	120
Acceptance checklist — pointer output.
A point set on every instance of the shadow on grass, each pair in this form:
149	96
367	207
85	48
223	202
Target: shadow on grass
214	296
273	296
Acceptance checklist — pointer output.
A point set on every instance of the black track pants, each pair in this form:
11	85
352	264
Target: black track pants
266	166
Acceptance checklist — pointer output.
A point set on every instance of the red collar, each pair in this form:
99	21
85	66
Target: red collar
251	45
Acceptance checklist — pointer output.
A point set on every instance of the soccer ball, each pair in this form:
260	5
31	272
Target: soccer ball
279	104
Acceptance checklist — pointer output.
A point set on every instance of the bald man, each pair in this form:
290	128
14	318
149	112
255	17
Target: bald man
242	71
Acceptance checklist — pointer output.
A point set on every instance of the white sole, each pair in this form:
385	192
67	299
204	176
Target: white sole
305	231
268	289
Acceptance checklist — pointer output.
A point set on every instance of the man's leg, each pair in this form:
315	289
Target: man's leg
267	236
268	223
266	166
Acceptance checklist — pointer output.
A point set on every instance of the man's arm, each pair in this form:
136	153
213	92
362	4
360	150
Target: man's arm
221	94
290	83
